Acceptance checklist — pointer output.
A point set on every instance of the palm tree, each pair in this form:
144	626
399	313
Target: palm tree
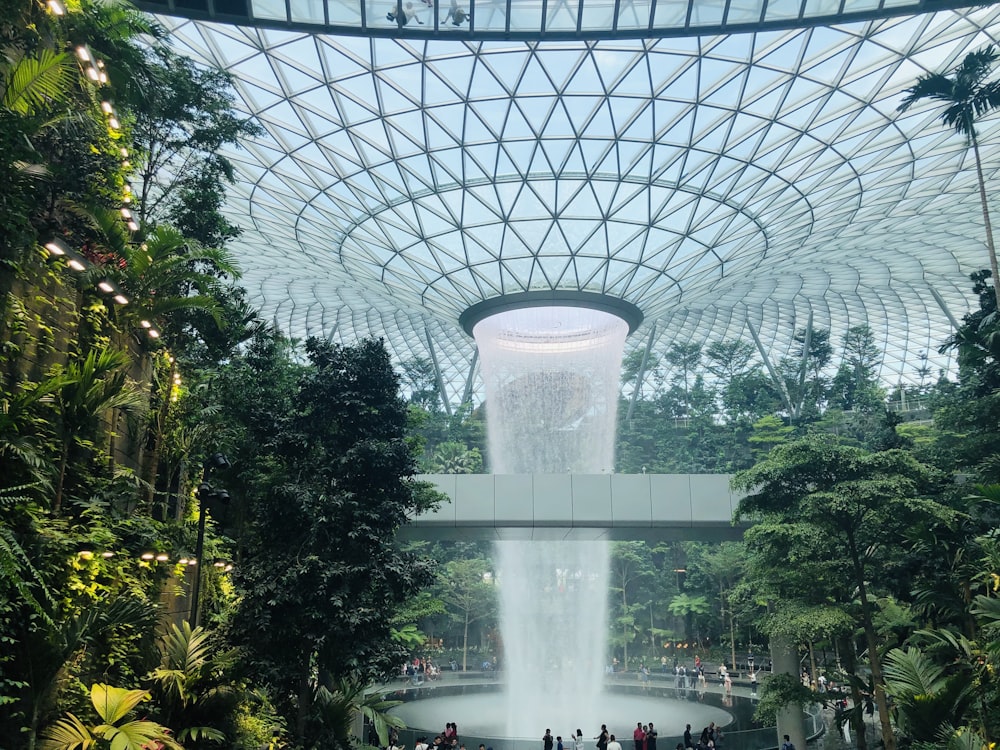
91	388
112	704
188	692
926	695
456	458
966	96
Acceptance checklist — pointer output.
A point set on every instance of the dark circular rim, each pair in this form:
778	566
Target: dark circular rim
616	306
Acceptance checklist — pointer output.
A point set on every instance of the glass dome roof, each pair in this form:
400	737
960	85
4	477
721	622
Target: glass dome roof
717	182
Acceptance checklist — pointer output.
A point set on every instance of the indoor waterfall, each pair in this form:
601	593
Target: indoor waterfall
551	377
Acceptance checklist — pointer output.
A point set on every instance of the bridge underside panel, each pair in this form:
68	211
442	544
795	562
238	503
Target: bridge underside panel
580	506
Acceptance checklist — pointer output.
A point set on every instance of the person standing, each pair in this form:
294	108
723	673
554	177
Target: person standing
559	744
613	744
578	740
639	737
547	741
688	742
651	734
602	738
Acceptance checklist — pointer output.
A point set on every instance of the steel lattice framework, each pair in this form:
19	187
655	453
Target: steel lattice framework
719	183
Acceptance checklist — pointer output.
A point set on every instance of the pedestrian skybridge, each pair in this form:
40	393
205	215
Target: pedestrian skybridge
580	506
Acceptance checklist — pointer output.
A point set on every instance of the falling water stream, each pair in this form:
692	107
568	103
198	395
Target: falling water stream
551	376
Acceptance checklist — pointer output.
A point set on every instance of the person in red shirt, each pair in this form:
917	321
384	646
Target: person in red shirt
639	737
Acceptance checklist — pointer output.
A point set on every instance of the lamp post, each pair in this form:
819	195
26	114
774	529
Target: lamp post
205	493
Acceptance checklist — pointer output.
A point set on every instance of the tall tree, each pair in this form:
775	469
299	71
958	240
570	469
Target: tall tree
855	387
183	116
966	95
862	502
319	574
468	595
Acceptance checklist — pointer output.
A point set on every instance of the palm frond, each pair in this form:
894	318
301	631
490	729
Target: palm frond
32	83
68	733
911	672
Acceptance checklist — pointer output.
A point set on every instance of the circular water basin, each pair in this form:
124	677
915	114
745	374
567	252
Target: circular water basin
483	713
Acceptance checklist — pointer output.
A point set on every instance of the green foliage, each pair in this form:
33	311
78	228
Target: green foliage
319	574
777	691
188	692
112	705
925	696
183	115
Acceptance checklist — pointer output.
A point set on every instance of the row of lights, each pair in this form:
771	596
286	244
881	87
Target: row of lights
57	248
94	69
148	556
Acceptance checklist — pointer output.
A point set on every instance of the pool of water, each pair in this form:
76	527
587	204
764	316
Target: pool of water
481	711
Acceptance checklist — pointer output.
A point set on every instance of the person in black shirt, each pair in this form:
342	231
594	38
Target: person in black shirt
547	741
651	737
687	737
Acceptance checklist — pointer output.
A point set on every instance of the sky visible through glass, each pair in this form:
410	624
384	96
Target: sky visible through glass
717	182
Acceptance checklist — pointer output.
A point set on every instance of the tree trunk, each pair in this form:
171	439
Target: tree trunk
161	420
624	629
874	660
61	479
465	642
850	665
304	701
812	667
986	218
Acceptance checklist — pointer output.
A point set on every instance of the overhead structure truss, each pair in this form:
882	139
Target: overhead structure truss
721	183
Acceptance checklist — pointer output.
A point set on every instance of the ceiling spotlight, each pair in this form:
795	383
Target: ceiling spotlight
106	106
133	226
92	73
83	53
121	299
192	561
113	122
153	333
57	8
162	557
145	324
86	554
105	286
126	213
107	553
219	564
76	265
147	556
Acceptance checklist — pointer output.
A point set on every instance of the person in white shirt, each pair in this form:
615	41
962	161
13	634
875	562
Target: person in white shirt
614	744
578	740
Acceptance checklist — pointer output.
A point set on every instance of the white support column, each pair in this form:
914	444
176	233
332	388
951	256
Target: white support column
791	721
944	307
642	372
467	393
778	382
437	372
